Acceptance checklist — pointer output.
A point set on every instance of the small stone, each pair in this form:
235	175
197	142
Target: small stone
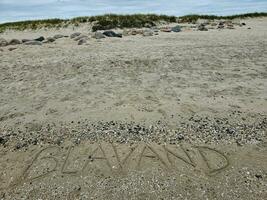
202	27
14	42
50	39
80	37
12	48
166	29
82	41
148	25
111	34
58	36
2	141
98	35
176	29
19	146
3	42
258	176
58	141
40	39
74	35
25	40
33	42
148	33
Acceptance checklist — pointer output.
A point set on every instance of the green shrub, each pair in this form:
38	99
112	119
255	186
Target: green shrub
110	21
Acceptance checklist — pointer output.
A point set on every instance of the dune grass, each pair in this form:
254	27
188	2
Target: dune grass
34	24
109	21
194	18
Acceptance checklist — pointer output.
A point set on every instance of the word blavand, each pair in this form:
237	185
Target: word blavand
116	159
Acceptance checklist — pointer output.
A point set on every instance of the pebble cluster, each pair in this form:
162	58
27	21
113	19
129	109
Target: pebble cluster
148	31
195	129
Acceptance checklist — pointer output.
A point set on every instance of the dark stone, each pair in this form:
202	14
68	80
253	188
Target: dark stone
20	145
2	141
40	39
111	34
50	39
258	176
176	29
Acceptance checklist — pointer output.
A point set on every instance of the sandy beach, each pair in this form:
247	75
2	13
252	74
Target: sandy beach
169	116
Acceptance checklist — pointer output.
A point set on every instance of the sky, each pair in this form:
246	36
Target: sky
18	10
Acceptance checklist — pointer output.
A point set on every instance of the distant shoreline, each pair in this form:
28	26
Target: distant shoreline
109	21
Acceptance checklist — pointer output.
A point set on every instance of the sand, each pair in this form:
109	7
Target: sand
206	91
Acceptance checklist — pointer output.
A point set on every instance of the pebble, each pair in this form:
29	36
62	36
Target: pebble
2	140
33	42
98	35
258	176
58	36
82	41
25	40
198	129
176	29
3	42
40	39
81	37
111	34
14	42
202	27
166	29
12	48
132	32
75	35
148	33
49	40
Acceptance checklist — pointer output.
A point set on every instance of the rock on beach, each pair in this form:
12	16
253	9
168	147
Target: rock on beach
98	35
111	34
58	36
33	42
74	35
3	42
148	33
14	42
82	41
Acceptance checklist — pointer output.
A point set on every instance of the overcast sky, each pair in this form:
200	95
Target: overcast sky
16	10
